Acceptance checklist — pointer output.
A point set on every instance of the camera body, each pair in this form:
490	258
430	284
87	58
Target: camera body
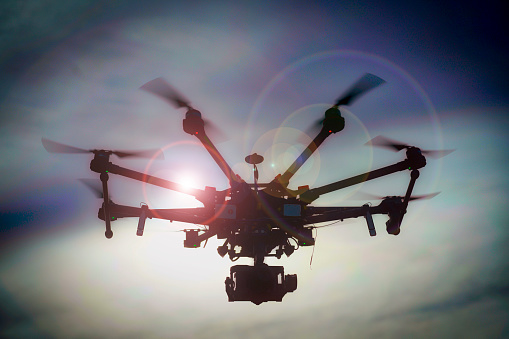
259	283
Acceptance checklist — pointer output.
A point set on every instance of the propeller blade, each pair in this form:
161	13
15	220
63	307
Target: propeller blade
363	85
56	147
381	141
359	195
214	132
366	83
384	142
313	130
163	89
424	196
148	154
436	154
93	185
366	196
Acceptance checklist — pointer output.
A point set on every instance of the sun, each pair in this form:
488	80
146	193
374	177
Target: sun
187	180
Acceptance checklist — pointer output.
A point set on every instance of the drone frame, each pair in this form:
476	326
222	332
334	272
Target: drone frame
258	220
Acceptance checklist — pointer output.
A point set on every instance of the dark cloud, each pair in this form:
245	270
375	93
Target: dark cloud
37	211
16	322
497	293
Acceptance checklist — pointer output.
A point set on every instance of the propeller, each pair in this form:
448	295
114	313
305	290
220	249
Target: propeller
365	196
366	83
161	88
397	146
56	147
94	185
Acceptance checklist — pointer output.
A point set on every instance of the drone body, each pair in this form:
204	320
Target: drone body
256	220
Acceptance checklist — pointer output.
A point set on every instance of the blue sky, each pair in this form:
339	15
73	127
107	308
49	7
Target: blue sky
71	73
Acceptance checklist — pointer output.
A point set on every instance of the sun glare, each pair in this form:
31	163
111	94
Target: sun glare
188	180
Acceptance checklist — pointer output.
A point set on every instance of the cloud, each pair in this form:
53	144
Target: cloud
498	293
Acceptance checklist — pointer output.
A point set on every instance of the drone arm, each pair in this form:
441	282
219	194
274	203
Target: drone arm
308	151
413	177
106	204
149	179
199	216
189	215
218	158
314	193
323	214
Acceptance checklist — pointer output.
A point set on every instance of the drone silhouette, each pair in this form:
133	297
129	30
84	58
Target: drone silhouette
256	220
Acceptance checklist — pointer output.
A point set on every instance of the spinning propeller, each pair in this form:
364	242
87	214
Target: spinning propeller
94	186
366	83
56	147
333	122
364	196
397	146
164	90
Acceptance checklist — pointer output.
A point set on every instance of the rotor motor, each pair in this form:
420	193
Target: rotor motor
193	123
333	121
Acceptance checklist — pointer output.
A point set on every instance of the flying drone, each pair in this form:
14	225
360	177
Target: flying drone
256	220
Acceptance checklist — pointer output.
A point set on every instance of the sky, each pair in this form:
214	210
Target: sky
71	72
